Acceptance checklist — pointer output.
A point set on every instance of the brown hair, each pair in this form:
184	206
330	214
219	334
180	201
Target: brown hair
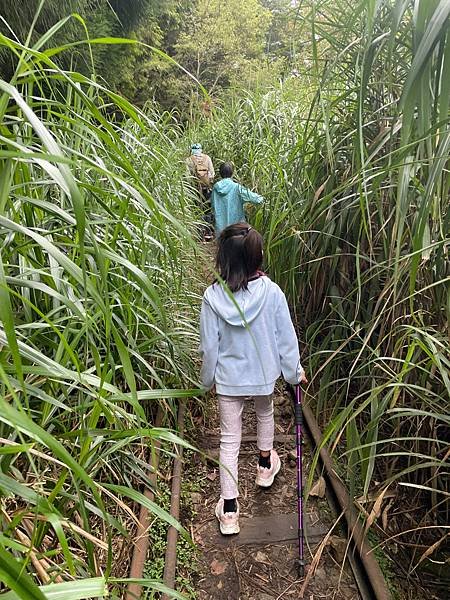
239	255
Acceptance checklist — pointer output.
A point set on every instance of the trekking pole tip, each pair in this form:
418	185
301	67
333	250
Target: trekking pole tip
301	568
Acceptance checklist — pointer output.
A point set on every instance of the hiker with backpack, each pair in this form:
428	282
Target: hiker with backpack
247	340
228	198
201	168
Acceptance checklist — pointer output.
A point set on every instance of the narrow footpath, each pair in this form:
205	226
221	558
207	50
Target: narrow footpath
259	563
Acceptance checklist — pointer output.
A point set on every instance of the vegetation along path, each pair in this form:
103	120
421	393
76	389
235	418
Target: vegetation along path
337	113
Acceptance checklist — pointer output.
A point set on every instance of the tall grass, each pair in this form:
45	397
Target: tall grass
98	286
97	319
354	167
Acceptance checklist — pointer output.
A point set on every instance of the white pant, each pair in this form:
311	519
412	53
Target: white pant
230	410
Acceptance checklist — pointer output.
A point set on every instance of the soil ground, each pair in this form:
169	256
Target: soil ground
230	571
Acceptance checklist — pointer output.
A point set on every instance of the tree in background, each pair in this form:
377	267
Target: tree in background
221	43
149	75
220	38
30	19
280	41
216	42
125	67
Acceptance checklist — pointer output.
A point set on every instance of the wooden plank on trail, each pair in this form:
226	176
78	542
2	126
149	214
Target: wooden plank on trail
271	529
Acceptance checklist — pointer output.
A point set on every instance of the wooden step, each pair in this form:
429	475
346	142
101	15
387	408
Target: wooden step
269	529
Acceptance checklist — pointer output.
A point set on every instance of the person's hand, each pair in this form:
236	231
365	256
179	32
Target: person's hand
303	378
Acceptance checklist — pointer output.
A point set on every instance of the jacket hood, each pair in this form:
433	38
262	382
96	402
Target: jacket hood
223	186
241	308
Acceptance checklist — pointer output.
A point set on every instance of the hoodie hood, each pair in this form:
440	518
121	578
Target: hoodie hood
223	186
241	308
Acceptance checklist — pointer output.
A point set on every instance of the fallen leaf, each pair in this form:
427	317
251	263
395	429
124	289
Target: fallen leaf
431	549
320	189
217	567
376	509
339	547
292	456
262	558
318	489
212	476
372	496
385	514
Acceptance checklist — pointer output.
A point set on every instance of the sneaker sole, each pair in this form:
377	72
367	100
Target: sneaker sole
266	483
227	529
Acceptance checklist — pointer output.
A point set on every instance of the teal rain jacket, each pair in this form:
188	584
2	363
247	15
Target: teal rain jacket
227	199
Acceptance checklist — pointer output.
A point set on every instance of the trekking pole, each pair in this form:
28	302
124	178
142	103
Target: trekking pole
298	436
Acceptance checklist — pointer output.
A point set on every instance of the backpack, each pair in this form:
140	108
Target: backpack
200	164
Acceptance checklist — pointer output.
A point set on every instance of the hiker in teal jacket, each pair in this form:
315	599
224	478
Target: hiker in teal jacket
228	199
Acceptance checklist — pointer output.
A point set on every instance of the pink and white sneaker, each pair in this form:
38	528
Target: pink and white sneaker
264	476
228	522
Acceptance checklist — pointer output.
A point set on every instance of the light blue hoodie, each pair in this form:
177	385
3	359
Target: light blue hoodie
247	343
227	200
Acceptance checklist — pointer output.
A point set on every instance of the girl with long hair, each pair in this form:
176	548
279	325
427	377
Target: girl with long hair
247	341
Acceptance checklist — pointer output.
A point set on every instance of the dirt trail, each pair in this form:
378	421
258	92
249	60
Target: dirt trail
247	567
